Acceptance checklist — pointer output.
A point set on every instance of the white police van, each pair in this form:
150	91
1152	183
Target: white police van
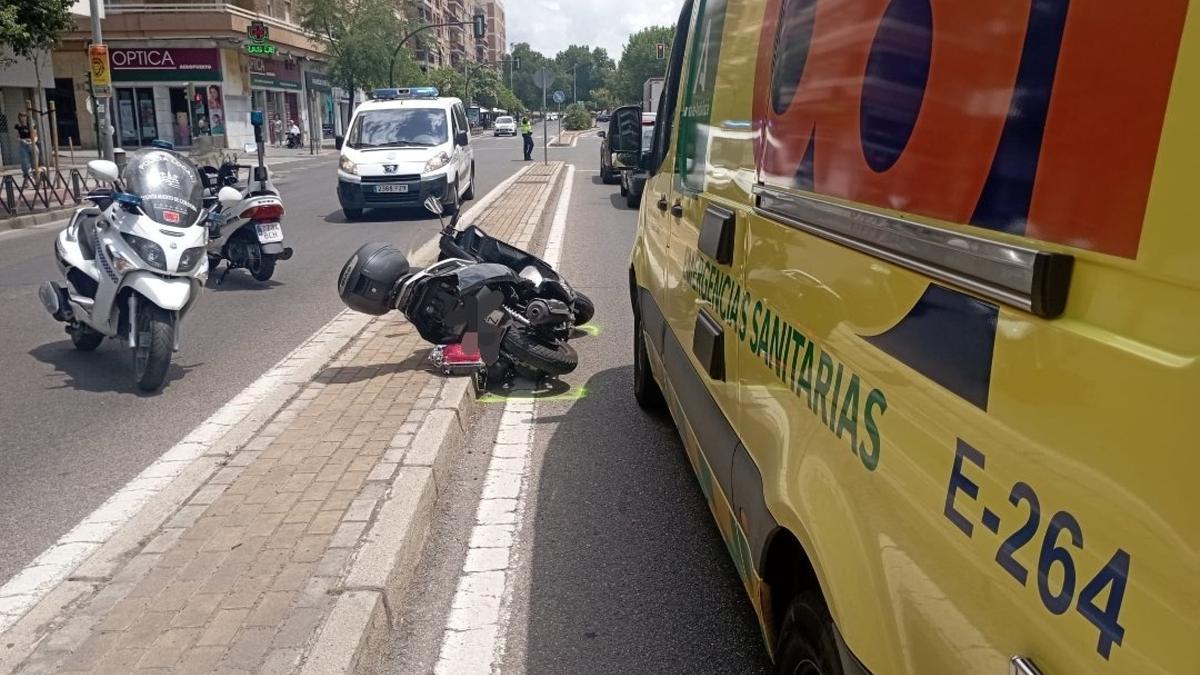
404	145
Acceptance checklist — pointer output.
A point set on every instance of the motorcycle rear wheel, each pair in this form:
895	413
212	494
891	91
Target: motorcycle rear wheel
262	267
584	309
156	341
542	357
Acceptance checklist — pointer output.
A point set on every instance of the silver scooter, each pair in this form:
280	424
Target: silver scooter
134	260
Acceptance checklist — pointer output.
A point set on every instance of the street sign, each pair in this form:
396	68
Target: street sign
101	73
560	97
543	78
259	35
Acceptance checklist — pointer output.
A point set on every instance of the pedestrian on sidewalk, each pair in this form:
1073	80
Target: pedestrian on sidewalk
527	135
27	136
278	126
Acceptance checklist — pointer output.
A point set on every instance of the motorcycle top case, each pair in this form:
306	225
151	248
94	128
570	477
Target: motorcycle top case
369	276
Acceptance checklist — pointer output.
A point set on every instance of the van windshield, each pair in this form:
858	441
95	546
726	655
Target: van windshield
399	128
504	120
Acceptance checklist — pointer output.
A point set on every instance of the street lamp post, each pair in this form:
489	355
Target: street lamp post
574	90
476	21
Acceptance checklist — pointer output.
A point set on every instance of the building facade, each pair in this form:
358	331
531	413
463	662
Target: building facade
184	73
495	41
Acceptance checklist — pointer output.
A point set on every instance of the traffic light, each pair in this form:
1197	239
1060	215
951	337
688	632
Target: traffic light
661	50
479	26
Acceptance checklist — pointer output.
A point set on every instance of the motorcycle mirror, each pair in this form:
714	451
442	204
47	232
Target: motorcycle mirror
104	170
433	205
250	147
229	197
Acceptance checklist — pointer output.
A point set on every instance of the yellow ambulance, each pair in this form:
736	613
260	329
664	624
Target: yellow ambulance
919	282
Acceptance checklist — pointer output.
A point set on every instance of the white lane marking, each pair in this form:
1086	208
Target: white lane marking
476	630
56	563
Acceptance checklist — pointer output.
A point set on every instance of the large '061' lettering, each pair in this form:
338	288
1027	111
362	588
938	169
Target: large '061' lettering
1034	117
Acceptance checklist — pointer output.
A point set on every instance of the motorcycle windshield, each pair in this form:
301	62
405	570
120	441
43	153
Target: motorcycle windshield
169	185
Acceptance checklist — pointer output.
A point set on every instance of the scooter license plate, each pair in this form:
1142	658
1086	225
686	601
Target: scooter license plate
268	232
397	187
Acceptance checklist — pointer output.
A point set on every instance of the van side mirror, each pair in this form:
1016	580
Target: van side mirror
462	138
337	142
625	129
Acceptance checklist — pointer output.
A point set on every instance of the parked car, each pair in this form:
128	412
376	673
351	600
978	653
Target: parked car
505	125
633	180
603	117
404	146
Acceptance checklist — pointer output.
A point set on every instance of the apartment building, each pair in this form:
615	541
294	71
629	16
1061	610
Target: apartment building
183	72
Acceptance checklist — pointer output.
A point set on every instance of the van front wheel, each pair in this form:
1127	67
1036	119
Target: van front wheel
807	645
645	390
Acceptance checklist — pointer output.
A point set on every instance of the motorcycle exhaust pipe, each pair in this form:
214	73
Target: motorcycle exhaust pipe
541	312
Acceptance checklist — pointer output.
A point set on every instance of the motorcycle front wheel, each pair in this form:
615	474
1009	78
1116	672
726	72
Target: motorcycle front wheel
546	358
156	341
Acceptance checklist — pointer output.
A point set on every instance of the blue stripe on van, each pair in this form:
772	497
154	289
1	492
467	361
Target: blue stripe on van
948	337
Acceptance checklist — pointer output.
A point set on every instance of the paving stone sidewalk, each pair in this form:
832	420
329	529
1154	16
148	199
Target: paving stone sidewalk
243	575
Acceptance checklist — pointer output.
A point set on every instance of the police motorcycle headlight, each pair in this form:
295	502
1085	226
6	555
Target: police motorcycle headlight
190	258
147	250
347	165
437	161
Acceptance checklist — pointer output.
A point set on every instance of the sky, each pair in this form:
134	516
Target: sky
549	26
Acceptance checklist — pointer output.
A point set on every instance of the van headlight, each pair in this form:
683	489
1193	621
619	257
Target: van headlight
348	166
437	161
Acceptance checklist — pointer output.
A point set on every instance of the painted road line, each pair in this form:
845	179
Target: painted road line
477	628
54	565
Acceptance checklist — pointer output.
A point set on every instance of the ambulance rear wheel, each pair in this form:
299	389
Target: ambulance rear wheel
807	645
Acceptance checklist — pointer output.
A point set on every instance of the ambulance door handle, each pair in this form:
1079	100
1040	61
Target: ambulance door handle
662	203
677	209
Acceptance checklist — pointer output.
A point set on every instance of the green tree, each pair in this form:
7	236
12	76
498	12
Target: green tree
585	68
577	117
30	30
449	82
602	99
639	62
523	86
359	36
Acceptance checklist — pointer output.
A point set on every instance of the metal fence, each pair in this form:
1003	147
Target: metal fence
49	189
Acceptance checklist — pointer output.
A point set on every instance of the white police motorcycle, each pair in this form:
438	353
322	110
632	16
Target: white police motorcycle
134	261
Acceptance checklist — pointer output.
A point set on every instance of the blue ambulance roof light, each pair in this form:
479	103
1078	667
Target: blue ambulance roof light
394	93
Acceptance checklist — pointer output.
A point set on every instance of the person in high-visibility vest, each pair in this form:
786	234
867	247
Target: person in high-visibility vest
527	134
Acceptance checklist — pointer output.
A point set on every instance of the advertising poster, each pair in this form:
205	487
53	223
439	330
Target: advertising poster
216	110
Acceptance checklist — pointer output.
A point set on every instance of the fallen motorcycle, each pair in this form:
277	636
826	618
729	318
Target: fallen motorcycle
472	243
482	309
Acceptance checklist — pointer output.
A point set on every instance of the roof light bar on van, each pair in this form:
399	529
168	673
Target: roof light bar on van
396	93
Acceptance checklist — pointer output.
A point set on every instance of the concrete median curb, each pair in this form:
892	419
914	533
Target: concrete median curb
368	604
55	609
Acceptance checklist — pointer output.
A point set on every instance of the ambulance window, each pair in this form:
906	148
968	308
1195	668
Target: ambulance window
694	120
666	101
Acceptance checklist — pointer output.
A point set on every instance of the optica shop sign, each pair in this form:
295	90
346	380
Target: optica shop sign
275	73
175	64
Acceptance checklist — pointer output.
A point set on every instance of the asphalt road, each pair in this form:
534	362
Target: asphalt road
73	429
620	566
